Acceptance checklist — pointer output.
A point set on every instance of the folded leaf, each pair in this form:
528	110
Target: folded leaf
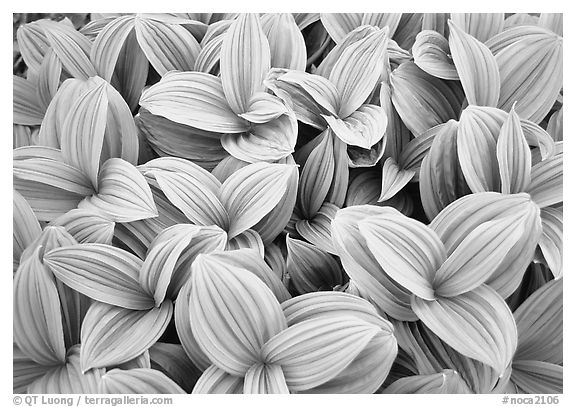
49	78
363	128
476	66
37	315
393	179
513	155
265	379
546	186
340	24
138	381
532	376
108	44
112	335
171	359
168	47
104	273
317	230
552	21
25	226
432	54
25	371
33	44
287	47
406	249
485	325
26	107
482	26
232	315
68	378
253	191
446	382
87	226
244	61
217	381
315	351
264	107
551	239
180	93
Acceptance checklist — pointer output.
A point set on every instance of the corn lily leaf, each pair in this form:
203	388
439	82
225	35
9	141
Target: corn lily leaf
539	321
421	100
68	378
244	42
164	270
551	240
171	359
531	73
25	229
49	78
141	361
287	47
513	155
555	125
113	335
314	351
397	134
552	21
437	22
303	20
364	127
168	138
108	45
87	226
264	107
139	381
476	67
355	81
478	132
123	193
179	93
547	178
249	239
265	379
190	188
340	24
482	26
104	273
71	47
485	323
27	109
209	57
432	54
408	27
38	328
317	230
24	136
407	250
361	265
381	20
25	371
310	268
393	179
249	314
252	192
168	47
32	44
479	255
217	381
317	175
271	141
533	376
131	71
446	382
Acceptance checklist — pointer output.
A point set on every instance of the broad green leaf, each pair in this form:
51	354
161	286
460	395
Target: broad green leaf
108	45
432	54
264	107
394	179
87	226
317	230
244	61
131	71
476	67
310	268
32	44
482	26
217	381
48	78
113	335
178	94
265	379
539	320
164	270
546	186
485	325
137	381
513	155
532	376
123	193
315	351
407	250
253	191
37	316
26	106
364	127
551	240
68	378
446	382
357	71
104	273
168	47
287	47
249	239
340	24
361	265
233	314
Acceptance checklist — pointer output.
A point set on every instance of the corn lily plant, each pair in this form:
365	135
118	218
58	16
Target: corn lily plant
306	203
